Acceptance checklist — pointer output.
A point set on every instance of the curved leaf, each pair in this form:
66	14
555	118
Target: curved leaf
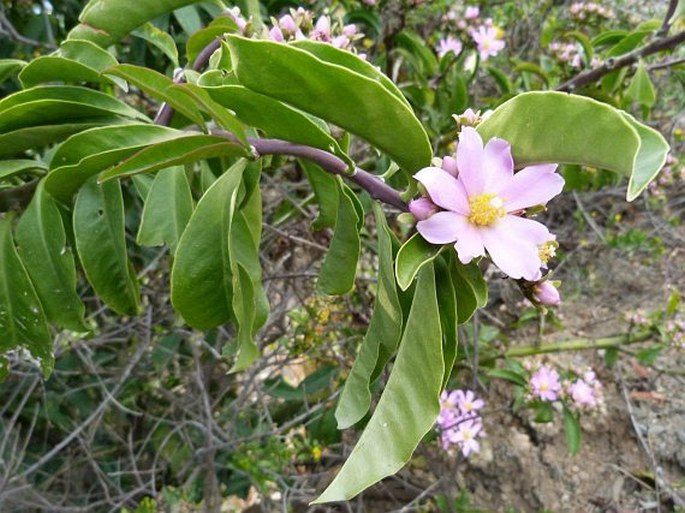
168	207
104	22
43	248
160	40
385	328
9	67
336	94
470	287
650	158
325	188
181	150
412	256
87	153
10	168
201	277
409	405
557	127
22	321
339	267
100	241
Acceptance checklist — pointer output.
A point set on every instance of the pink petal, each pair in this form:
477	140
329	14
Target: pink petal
441	228
445	190
470	156
533	185
498	163
469	242
513	246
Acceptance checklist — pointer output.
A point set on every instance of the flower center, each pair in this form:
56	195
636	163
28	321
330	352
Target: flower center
486	209
547	251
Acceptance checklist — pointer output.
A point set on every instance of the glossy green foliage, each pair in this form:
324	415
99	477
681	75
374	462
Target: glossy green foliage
87	153
22	320
557	127
412	256
385	329
339	267
9	67
470	287
160	40
17	167
325	188
105	22
409	405
43	248
100	241
168	206
339	95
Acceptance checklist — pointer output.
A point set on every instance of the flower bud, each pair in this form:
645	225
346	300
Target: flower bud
287	24
422	208
275	34
547	294
449	164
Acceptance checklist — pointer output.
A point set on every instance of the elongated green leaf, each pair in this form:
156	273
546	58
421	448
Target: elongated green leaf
509	375
35	137
641	89
182	150
650	158
22	321
43	248
104	22
200	39
558	127
412	256
449	314
188	18
385	328
87	153
339	267
409	405
168	206
224	117
572	431
470	287
160	40
56	104
10	168
101	245
158	86
201	277
9	67
326	189
336	94
275	118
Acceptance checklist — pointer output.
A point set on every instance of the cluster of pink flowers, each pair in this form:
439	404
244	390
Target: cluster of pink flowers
570	54
299	24
590	12
675	332
485	35
581	390
477	202
638	318
459	422
668	176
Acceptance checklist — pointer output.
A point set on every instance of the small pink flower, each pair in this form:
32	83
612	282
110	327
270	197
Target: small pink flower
447	45
322	30
546	294
488	42
481	206
275	34
468	403
287	24
583	394
422	208
545	384
465	436
472	12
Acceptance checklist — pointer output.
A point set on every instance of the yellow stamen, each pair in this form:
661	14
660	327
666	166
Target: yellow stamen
486	209
548	250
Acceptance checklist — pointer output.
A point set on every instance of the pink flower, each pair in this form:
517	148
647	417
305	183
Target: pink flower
472	12
447	45
322	30
545	384
287	24
546	294
468	403
481	204
275	34
583	394
465	436
487	40
422	208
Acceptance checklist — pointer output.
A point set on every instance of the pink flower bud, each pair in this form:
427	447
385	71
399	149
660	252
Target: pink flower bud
349	30
449	164
287	24
422	208
472	12
546	294
275	34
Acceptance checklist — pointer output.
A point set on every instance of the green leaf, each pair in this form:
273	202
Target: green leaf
9	67
567	129
641	89
275	118
385	328
325	188
22	321
201	276
224	117
508	375
650	158
181	150
417	48
16	167
339	267
189	19
608	38
412	256
470	286
449	314
409	405
87	153
200	39
104	22
160	40
100	241
532	68
75	61
501	79
572	431
584	42
43	248
336	94
168	207
629	42
158	86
